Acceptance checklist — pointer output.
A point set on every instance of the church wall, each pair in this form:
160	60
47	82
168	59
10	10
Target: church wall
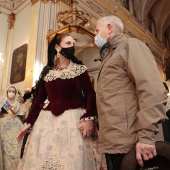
20	37
3	33
3	40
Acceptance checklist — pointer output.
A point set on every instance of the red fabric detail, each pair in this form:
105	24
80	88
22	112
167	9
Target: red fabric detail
65	94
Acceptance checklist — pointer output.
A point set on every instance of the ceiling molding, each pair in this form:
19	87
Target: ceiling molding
14	5
11	4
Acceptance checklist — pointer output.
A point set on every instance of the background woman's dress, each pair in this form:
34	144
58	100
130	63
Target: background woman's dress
10	126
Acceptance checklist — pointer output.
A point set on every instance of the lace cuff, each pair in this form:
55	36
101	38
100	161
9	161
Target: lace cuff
28	125
89	118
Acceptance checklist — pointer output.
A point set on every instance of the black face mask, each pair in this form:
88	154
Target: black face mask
68	52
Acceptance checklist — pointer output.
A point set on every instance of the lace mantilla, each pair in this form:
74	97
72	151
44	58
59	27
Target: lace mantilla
71	71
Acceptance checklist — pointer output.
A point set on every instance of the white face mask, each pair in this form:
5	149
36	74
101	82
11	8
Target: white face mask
99	40
11	95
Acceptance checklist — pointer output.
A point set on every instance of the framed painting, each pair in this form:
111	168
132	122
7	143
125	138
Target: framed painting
18	66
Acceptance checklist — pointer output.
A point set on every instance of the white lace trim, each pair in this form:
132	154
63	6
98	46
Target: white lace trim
71	71
88	118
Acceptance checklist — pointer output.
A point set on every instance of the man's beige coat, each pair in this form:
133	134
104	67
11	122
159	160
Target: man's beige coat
130	96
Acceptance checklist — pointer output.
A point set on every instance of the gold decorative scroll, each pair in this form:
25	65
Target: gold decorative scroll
73	20
68	29
11	20
34	1
68	2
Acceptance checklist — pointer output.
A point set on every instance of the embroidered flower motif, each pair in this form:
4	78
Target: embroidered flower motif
52	164
73	70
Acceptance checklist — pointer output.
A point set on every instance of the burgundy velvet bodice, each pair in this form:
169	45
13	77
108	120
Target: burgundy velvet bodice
64	94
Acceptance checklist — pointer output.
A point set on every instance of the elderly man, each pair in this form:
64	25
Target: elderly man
130	95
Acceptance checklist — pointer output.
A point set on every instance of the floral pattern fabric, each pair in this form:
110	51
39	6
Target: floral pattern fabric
57	144
9	129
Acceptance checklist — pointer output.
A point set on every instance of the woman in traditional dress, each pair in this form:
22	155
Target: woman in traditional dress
10	126
62	118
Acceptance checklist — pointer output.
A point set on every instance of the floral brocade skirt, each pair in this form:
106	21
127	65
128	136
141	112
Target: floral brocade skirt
10	147
57	144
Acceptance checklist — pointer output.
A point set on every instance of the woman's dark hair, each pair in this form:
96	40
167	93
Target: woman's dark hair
52	51
51	55
26	96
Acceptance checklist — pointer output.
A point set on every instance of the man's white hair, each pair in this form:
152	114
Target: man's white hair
114	21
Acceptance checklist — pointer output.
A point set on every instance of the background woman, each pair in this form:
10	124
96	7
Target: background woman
10	125
60	138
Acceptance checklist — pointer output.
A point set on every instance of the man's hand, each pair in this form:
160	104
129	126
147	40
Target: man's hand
145	152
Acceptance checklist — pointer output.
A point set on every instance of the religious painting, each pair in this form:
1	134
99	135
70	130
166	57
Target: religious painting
18	66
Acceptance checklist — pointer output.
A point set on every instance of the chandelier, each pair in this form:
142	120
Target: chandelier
75	22
73	17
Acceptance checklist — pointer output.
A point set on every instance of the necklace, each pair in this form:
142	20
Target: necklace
61	68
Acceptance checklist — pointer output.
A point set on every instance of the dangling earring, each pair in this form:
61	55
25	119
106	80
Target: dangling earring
58	53
56	56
